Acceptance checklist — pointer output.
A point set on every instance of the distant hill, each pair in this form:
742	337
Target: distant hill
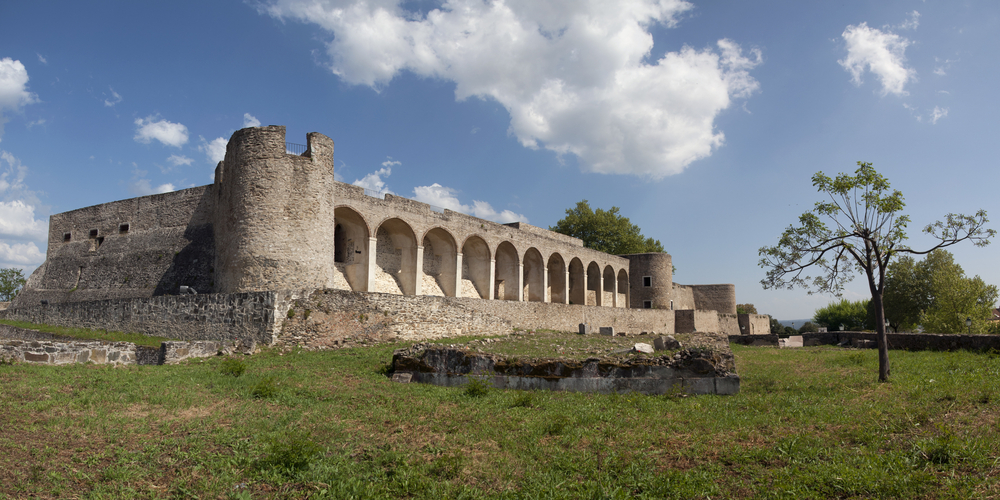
794	323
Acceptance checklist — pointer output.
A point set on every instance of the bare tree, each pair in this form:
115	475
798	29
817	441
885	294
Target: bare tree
866	230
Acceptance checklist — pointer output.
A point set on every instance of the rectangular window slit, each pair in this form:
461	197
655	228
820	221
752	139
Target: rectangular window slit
67	236
123	228
647	304
93	233
647	281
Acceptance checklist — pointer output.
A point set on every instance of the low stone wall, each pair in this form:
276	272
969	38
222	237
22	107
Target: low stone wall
336	318
755	340
690	372
247	318
62	353
907	341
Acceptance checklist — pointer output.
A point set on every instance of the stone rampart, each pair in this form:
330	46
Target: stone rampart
720	298
754	324
691	320
907	341
331	318
138	247
246	318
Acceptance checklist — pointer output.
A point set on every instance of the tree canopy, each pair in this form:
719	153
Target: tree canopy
852	314
936	294
746	309
605	230
11	281
866	231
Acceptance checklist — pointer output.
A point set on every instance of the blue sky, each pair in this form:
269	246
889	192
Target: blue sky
702	121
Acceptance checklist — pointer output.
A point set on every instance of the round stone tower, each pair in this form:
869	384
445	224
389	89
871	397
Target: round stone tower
651	280
274	213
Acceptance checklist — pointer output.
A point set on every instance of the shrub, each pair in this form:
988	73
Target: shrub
523	399
232	366
289	452
265	388
477	387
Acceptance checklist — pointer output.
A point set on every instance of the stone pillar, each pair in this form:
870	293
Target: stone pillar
600	289
520	281
545	284
493	277
418	282
566	287
372	248
458	274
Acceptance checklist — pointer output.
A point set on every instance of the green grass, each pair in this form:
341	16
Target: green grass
808	423
87	334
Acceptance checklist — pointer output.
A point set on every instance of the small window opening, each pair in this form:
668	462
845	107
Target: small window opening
647	304
123	228
647	281
671	305
93	233
67	236
100	241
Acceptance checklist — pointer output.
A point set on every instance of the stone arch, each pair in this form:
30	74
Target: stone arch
395	258
350	250
534	276
610	287
440	262
557	279
593	284
476	268
623	298
577	282
508	273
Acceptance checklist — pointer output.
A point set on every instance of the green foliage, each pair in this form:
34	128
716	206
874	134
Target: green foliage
776	326
605	230
808	327
523	399
478	386
746	309
289	452
852	314
232	366
11	281
265	388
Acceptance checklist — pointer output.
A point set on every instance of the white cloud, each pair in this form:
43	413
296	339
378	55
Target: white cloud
374	181
215	150
389	163
13	89
169	133
115	99
20	255
444	197
912	22
41	58
140	186
17	217
573	75
250	120
882	53
179	160
17	220
40	121
938	113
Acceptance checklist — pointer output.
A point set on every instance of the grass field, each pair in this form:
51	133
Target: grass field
809	423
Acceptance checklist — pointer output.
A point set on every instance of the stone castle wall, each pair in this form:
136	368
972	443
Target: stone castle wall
138	247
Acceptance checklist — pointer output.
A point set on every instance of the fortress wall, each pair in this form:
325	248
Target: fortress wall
275	212
690	321
242	317
683	297
755	324
338	317
720	298
168	242
545	233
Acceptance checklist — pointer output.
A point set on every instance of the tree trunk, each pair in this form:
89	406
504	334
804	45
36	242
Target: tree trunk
883	341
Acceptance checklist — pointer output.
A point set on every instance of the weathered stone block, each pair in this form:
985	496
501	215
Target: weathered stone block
666	343
403	378
608	331
33	357
585	329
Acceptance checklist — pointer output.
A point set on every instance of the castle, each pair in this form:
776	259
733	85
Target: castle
275	220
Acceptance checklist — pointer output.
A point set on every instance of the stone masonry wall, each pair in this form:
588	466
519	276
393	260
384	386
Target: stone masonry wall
246	318
140	247
754	324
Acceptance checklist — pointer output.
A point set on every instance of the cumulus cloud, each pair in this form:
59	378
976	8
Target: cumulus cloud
938	113
17	217
13	89
115	98
911	22
250	120
575	76
445	197
375	182
177	161
215	150
141	186
168	133
880	52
